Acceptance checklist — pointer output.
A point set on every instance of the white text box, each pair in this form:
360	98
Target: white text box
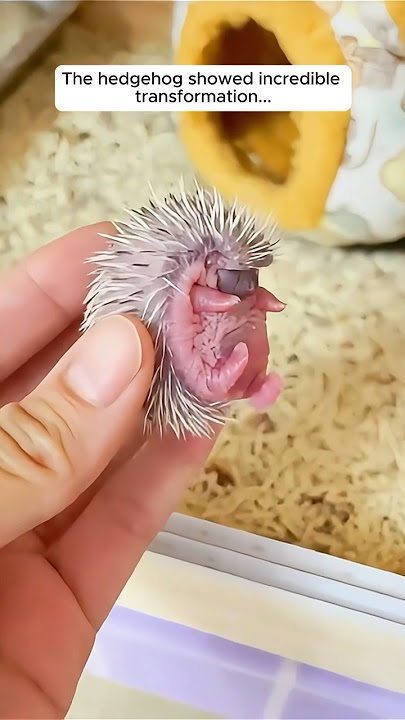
129	88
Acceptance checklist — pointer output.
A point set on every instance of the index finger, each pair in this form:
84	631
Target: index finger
115	529
44	293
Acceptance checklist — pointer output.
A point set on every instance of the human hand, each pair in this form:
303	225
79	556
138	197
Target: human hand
78	507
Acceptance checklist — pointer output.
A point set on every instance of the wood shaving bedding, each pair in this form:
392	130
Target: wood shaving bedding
325	467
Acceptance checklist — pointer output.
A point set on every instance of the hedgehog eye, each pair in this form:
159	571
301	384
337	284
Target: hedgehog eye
237	282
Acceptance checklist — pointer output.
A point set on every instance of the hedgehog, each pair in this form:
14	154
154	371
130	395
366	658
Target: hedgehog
188	267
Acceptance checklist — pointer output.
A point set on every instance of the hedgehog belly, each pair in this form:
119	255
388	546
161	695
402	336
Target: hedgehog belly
231	350
246	324
218	355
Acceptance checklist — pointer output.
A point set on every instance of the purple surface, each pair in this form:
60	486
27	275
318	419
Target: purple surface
185	639
377	702
184	665
223	677
303	706
196	682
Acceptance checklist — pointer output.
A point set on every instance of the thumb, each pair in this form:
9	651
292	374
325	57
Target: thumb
56	441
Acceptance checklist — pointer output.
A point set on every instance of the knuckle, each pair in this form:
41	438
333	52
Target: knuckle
34	440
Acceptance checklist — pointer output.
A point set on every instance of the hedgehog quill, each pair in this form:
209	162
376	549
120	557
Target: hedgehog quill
188	267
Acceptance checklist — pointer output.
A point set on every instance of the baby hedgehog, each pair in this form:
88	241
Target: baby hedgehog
188	268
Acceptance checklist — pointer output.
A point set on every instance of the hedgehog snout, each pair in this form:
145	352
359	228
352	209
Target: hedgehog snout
238	282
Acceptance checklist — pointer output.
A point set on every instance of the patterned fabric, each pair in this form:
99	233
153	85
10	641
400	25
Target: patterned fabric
367	199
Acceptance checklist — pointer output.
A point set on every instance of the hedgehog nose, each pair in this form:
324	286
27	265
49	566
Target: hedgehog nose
237	282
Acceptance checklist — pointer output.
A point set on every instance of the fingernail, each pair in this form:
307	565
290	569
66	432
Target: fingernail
105	360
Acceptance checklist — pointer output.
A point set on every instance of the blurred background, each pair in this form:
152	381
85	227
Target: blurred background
324	468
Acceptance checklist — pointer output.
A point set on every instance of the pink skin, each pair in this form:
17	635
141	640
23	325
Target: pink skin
219	342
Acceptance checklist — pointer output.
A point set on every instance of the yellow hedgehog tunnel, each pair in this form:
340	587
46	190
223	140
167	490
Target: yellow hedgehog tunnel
286	163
